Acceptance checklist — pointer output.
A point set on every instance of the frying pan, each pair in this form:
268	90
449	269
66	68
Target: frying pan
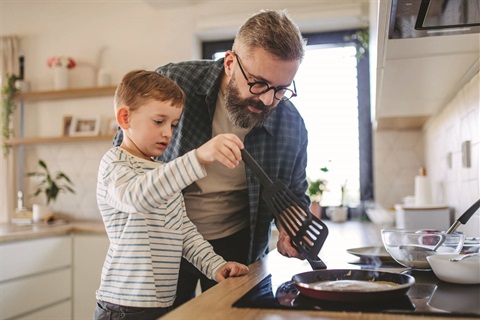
308	233
304	283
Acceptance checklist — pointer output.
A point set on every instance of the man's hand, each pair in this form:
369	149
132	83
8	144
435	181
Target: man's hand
284	246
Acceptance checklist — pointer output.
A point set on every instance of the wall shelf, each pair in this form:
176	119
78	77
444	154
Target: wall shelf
47	140
79	93
92	92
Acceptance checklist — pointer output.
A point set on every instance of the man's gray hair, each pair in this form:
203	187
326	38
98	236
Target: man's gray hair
274	32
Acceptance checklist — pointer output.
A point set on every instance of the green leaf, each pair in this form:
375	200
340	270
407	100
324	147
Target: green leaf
51	186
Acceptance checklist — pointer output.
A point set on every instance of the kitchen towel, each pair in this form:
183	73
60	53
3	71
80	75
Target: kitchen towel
422	189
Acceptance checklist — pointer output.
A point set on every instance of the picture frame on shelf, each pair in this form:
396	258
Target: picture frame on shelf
111	126
67	122
85	126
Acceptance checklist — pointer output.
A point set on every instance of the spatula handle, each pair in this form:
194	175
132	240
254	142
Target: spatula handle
252	164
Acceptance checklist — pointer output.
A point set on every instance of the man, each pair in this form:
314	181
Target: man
246	93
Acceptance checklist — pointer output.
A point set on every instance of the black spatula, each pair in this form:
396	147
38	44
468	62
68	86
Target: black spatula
308	233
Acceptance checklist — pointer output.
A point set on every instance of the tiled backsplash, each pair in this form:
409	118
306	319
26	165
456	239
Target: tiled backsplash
399	155
458	122
80	162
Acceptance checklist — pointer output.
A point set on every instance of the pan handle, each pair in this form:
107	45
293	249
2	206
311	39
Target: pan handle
317	264
252	164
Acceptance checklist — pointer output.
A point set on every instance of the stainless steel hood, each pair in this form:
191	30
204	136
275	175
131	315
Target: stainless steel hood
426	18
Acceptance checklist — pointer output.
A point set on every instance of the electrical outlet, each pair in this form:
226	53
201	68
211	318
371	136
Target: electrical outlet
466	154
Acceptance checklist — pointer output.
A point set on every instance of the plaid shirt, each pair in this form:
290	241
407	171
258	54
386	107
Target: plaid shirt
279	146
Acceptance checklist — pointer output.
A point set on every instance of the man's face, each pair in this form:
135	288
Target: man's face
238	108
245	109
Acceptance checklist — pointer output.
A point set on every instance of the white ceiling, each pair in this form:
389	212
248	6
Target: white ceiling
418	77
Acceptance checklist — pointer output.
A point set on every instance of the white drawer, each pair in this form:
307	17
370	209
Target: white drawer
29	294
61	311
18	259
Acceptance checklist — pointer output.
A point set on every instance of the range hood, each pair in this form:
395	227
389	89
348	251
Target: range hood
426	18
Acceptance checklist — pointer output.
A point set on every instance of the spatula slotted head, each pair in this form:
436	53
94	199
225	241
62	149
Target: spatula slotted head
307	232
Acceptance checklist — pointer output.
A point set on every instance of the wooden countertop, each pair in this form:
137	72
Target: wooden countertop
216	303
15	232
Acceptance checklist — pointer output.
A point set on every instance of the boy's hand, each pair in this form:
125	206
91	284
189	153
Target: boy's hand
231	269
224	148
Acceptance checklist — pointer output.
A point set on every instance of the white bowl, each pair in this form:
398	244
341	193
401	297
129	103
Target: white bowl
466	271
381	216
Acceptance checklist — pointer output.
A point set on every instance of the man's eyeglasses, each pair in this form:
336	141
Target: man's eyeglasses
260	87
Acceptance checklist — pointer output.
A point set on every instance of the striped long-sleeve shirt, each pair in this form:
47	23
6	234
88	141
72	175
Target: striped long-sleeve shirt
144	215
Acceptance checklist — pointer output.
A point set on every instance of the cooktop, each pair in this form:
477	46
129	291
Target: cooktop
428	296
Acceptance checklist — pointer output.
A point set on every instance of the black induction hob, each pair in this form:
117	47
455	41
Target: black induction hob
428	296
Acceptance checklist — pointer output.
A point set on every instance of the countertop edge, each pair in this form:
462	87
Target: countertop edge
12	232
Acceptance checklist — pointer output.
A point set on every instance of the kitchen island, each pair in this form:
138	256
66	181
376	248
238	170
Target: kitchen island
217	302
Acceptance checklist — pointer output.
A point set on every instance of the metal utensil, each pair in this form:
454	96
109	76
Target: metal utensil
464	256
422	252
308	233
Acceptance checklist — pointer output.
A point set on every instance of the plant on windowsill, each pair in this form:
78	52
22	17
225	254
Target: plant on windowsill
361	38
315	190
8	107
51	185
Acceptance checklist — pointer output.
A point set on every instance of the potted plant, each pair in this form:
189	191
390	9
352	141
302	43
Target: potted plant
8	107
340	213
50	185
315	190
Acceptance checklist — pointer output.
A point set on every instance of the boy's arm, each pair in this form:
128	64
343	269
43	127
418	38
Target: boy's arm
129	191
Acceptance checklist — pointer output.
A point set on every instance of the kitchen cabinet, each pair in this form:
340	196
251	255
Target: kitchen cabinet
414	78
89	251
35	278
52	277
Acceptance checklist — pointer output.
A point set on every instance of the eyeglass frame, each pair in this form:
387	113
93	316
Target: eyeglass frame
275	89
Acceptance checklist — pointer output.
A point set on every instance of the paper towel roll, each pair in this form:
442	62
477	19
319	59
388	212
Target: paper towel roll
423	194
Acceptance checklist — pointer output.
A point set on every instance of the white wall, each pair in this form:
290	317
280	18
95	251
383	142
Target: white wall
120	36
135	34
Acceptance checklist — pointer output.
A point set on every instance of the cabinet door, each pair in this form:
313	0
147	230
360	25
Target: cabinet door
34	275
31	294
88	257
23	258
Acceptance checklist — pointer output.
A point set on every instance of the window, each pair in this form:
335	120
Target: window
334	100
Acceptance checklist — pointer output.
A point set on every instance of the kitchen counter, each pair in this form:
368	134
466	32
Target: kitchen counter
15	232
216	303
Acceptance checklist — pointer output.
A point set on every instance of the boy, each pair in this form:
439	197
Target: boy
142	206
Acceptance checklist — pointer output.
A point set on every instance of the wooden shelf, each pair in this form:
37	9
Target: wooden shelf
47	140
67	94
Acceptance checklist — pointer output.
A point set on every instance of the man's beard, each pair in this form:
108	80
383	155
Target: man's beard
237	109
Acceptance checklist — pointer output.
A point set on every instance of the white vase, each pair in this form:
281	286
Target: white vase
60	78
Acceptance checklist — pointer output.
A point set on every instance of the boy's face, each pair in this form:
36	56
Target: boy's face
151	127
